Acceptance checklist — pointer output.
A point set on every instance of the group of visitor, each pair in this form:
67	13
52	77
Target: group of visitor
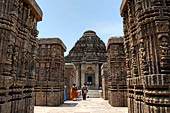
74	94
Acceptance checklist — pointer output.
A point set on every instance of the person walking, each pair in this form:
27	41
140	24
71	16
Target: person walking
84	91
73	93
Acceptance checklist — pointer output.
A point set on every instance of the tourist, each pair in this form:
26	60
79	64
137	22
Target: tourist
84	91
74	94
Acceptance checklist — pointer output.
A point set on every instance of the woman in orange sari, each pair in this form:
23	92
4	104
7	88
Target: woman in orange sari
73	93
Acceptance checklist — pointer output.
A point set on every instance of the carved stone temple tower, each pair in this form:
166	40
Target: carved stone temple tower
147	49
88	55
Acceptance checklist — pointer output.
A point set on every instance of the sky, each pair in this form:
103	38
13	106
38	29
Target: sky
69	19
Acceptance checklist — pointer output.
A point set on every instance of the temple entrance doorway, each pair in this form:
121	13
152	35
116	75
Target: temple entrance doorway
90	79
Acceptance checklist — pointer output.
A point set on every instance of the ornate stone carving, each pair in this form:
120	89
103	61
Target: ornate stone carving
89	51
117	89
49	88
16	78
149	90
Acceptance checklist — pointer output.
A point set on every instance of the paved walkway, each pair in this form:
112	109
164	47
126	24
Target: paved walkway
91	105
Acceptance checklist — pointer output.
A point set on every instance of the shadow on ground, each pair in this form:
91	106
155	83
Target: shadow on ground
71	104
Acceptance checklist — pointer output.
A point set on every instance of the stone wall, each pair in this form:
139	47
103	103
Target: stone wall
146	29
69	78
49	89
105	74
117	88
18	32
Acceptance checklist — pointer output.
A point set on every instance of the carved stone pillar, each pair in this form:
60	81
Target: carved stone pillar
97	76
78	76
83	73
117	88
17	67
105	74
69	75
148	37
49	88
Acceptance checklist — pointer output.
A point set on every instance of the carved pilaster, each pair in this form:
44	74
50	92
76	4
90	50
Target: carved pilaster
16	81
148	27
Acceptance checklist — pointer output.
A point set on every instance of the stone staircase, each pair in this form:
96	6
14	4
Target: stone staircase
94	93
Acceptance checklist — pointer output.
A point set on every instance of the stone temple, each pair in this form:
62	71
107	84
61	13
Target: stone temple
133	71
88	55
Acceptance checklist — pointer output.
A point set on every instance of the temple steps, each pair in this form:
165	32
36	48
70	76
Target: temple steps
94	93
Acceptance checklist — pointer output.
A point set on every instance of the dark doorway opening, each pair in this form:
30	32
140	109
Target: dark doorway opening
90	80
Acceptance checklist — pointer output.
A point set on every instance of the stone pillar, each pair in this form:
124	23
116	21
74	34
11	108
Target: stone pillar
69	75
117	87
97	76
78	76
104	73
146	29
83	70
49	89
18	23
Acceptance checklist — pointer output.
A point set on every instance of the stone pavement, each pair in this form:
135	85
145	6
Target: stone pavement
91	105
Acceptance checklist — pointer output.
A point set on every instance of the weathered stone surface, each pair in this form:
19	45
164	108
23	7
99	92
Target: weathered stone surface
18	23
88	55
105	75
49	89
117	88
35	9
69	78
146	29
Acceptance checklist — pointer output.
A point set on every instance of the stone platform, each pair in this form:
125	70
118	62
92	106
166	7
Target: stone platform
91	105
